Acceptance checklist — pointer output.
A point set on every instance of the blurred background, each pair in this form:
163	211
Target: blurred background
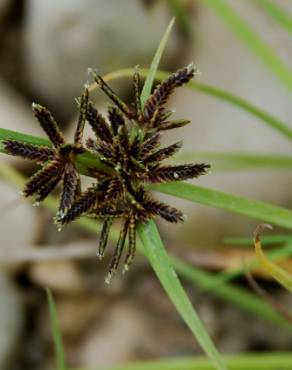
46	48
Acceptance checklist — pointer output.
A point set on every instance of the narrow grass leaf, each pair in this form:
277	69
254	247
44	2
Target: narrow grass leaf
229	293
57	337
252	40
218	199
162	266
280	15
233	161
248	361
146	91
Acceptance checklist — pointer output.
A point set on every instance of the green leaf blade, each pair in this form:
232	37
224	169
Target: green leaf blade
162	266
146	91
57	337
233	203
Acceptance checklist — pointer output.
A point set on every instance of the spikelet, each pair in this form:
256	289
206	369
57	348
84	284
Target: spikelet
104	236
28	151
48	124
116	119
84	204
38	180
112	95
44	191
170	125
98	124
161	94
118	251
163	153
137	91
149	145
159	174
83	108
69	190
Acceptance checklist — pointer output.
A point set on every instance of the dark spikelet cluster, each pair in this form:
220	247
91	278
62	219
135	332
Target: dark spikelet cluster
127	142
57	161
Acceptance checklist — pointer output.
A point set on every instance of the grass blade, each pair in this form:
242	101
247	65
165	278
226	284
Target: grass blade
57	337
233	161
280	15
146	91
161	264
244	206
229	293
252	40
248	361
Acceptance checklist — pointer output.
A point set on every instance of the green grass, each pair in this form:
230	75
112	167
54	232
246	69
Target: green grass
57	337
150	77
161	264
267	361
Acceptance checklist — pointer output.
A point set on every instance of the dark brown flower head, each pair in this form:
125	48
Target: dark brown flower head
57	161
128	142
